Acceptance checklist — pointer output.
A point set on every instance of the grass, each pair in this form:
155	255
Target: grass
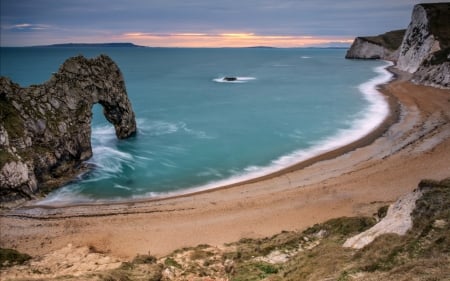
10	118
440	25
317	253
253	271
10	257
391	40
171	262
422	254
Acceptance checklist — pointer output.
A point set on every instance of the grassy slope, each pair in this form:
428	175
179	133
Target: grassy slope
316	253
390	40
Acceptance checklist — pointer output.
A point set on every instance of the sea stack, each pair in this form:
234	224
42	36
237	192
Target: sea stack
45	130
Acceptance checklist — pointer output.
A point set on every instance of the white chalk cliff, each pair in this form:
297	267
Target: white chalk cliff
397	220
384	46
424	50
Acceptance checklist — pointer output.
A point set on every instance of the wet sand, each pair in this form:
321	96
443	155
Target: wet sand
412	144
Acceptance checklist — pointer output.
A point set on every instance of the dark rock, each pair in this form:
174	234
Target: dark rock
45	130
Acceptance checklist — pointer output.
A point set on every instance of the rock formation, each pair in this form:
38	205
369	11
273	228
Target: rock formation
384	46
45	130
424	50
398	220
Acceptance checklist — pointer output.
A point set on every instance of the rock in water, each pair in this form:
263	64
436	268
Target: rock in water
45	130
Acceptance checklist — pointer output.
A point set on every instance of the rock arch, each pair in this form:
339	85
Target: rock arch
45	130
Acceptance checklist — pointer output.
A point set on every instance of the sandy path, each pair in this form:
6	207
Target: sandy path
354	183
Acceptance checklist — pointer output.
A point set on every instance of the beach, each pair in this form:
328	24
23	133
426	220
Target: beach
413	143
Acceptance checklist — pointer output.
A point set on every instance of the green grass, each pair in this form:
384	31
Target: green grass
440	24
391	40
317	253
10	257
10	119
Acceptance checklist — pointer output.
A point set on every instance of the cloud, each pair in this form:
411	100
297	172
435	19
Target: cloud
27	27
186	19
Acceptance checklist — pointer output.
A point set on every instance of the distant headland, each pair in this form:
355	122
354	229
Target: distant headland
84	45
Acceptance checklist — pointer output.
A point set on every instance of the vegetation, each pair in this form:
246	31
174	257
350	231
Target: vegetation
10	118
439	24
391	40
316	253
10	257
142	267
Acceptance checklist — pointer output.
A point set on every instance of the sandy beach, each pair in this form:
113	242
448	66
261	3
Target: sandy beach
412	144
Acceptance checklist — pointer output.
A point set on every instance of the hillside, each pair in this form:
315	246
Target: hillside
317	253
390	40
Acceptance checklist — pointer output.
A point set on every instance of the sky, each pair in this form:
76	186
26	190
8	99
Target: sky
200	23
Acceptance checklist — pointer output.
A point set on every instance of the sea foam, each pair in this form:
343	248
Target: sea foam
366	121
111	160
239	79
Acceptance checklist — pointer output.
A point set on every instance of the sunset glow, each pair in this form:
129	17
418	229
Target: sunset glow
228	39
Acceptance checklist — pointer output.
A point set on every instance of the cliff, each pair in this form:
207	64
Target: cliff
424	50
45	130
384	46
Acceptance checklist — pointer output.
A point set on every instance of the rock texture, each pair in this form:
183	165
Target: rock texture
384	46
398	220
424	50
45	130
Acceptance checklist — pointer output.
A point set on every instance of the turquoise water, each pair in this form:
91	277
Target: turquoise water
196	131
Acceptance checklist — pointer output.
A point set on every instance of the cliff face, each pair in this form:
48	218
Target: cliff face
45	130
384	46
424	50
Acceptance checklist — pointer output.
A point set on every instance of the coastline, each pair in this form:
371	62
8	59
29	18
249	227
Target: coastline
324	152
355	179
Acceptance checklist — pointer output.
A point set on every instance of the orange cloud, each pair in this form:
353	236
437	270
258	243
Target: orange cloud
227	39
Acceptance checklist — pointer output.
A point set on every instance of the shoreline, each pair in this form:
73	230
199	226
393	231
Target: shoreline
387	164
366	139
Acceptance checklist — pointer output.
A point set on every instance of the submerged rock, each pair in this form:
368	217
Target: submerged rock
45	130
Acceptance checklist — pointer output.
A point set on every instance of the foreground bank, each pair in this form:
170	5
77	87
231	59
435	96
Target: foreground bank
417	252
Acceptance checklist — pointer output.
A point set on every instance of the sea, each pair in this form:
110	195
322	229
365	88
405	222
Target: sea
198	131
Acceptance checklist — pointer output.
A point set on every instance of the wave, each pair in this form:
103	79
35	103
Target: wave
113	160
160	128
305	57
239	79
108	160
102	135
282	65
367	120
